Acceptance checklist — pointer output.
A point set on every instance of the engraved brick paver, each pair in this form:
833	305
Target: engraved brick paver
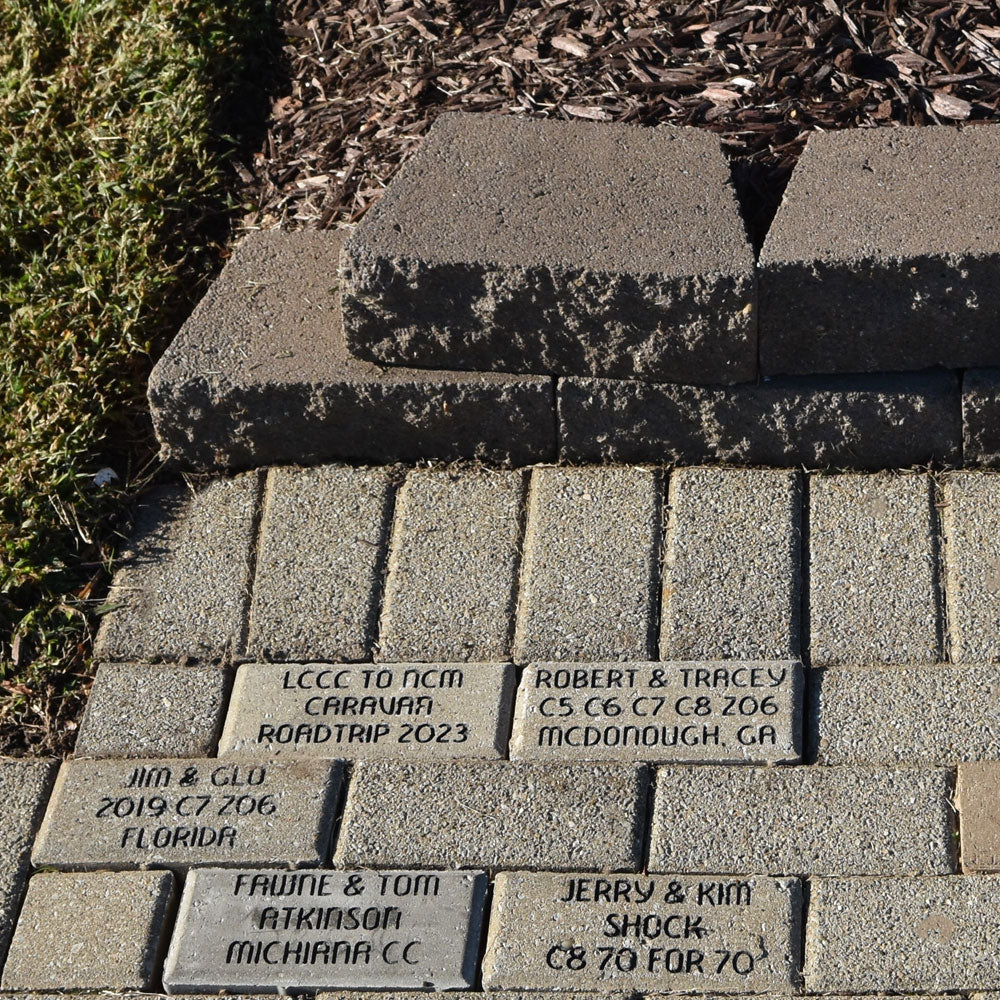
659	933
873	573
803	820
263	930
153	710
238	811
588	580
323	539
938	714
24	789
728	530
452	580
91	931
740	712
491	815
181	587
978	800
406	711
879	935
970	516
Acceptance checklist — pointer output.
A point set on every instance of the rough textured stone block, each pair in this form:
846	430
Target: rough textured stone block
852	278
908	715
452	582
683	712
181	584
319	566
24	789
147	710
400	711
494	815
238	811
94	931
846	422
873	572
267	930
802	820
260	375
660	934
978	800
533	265
588	581
970	519
981	417
729	529
867	935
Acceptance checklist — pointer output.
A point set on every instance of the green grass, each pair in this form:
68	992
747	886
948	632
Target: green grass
117	118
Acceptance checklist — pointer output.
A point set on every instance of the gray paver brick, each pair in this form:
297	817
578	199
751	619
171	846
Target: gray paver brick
873	571
588	576
403	711
260	375
803	820
535	267
970	518
93	931
265	930
322	547
24	789
451	587
844	422
180	589
494	814
981	417
152	710
177	813
729	530
575	932
747	712
853	279
866	935
935	714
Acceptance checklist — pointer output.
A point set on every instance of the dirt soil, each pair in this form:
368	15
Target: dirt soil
367	78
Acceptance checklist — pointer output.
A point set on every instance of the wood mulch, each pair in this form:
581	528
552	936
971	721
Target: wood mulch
366	79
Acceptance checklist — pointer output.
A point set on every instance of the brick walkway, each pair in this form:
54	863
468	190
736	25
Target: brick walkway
614	729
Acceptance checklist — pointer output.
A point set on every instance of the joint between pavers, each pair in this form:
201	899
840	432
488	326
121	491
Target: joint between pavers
261	510
935	498
948	585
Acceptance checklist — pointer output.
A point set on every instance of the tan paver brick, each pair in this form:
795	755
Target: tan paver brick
588	579
493	815
452	583
978	800
729	531
873	573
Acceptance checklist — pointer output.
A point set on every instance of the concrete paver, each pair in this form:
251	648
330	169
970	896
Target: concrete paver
868	935
398	711
981	417
873	573
264	930
747	712
935	714
177	813
977	795
658	933
153	710
494	815
180	587
260	375
727	530
864	422
451	587
322	546
535	267
853	279
591	554
92	931
802	820
970	519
